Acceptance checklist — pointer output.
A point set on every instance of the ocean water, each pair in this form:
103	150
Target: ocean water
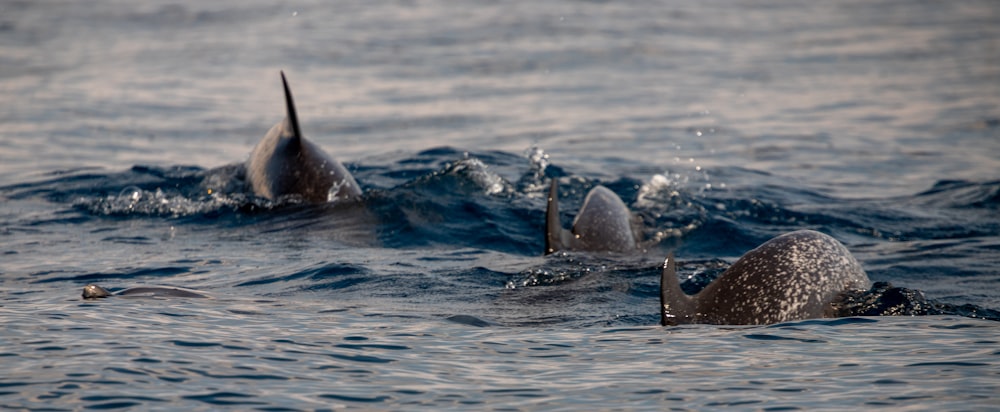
123	126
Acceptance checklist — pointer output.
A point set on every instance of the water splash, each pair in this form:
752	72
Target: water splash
662	200
533	182
478	172
135	201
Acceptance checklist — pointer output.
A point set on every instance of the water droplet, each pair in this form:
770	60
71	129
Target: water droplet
130	194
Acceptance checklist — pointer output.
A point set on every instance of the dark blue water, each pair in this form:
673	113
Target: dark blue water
123	128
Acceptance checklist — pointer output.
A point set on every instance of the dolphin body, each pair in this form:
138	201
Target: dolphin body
96	292
285	163
604	224
794	276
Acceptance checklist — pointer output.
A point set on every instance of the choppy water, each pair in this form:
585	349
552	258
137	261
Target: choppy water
720	124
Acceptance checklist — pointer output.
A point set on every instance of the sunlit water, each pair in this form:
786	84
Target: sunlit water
721	125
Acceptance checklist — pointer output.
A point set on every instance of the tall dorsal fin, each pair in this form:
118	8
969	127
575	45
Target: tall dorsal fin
292	117
555	235
674	303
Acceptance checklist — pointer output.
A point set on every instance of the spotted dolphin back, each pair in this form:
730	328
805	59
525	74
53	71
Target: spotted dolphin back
603	224
284	162
794	276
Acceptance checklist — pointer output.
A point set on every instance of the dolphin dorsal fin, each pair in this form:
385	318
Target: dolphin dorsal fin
674	303
292	117
555	234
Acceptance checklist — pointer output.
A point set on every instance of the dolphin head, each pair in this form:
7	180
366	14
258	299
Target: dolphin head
95	292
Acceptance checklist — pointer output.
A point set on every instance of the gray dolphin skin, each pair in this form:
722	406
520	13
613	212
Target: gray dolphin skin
96	292
285	163
604	224
794	276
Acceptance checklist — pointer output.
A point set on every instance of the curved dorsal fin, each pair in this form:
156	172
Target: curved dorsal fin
291	116
674	303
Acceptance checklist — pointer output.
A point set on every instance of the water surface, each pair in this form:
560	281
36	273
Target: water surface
720	124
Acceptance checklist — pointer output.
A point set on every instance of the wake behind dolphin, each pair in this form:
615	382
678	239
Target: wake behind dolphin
603	224
285	163
794	276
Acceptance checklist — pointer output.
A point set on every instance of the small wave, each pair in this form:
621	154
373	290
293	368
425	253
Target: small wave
323	277
769	337
463	174
468	320
962	194
358	399
225	399
133	274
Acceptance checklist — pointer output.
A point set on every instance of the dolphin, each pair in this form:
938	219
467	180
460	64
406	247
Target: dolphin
285	163
603	224
793	276
96	292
